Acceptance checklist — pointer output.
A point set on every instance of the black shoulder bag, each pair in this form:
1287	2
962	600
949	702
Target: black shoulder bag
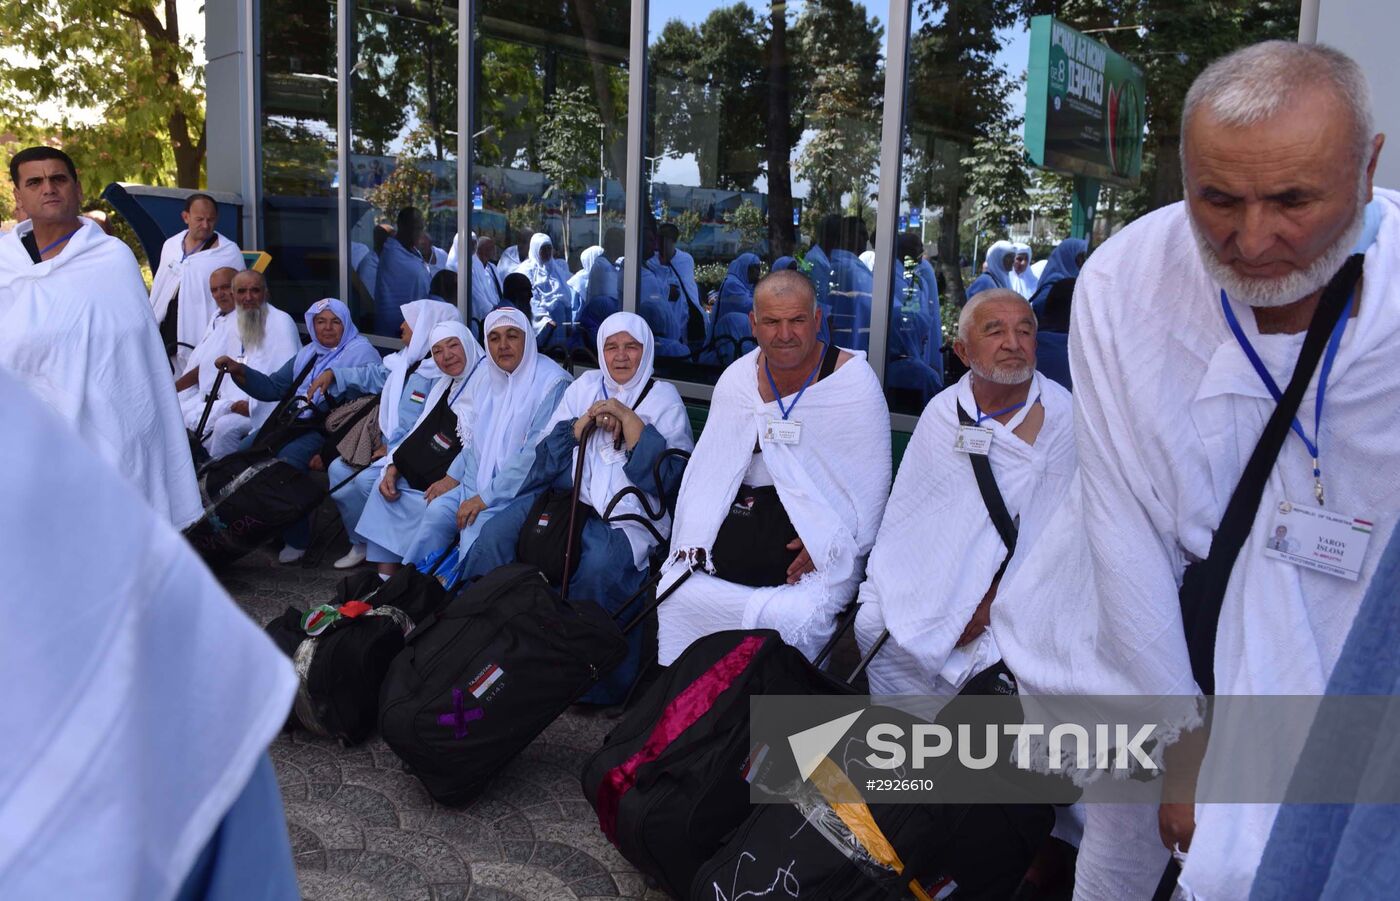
425	455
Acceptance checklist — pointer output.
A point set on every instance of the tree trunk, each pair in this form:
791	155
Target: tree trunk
949	251
602	88
189	154
781	237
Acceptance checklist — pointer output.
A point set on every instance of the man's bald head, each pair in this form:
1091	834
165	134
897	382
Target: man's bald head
249	289
221	287
785	284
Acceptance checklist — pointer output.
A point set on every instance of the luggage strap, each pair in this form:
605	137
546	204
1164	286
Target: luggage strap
991	497
588	431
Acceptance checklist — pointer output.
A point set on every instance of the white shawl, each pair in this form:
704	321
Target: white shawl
190	276
422	316
460	399
833	483
662	408
210	347
937	549
1167	411
505	402
137	696
77	330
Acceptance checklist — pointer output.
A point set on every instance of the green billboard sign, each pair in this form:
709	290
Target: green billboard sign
1086	106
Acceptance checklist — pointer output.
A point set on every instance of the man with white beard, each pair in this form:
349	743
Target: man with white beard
180	297
1177	360
265	339
194	386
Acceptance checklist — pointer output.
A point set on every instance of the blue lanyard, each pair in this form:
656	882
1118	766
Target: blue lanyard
774	385
983	417
1328	358
60	240
453	399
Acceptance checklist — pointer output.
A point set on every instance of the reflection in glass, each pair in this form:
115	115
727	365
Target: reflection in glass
762	141
299	152
550	126
403	156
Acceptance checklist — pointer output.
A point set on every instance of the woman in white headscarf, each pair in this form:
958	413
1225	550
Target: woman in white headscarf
1001	256
1022	280
392	513
636	420
501	418
578	282
402	381
551	300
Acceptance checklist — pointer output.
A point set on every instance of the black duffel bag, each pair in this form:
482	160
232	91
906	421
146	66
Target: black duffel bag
668	804
248	498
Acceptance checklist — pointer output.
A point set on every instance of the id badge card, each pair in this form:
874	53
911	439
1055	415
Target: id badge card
1317	539
783	431
973	439
611	454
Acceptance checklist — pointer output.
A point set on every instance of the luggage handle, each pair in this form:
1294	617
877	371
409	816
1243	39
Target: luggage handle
869	655
633	490
209	403
573	507
846	619
650	608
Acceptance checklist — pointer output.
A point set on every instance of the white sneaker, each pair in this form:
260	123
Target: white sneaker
291	554
354	558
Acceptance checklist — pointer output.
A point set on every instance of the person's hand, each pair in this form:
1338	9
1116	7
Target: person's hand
802	565
615	417
471	508
439	488
231	366
580	424
388	486
240	407
321	384
981	617
1176	823
379	451
316	464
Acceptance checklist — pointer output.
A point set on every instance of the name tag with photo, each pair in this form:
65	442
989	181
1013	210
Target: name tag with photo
1318	539
973	440
783	431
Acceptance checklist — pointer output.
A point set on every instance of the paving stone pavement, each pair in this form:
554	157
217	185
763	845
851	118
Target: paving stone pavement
363	830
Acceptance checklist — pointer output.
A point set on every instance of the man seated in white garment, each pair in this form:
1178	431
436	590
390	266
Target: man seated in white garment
939	555
265	338
1176	358
782	498
194	386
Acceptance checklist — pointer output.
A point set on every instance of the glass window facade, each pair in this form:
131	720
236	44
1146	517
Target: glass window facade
873	147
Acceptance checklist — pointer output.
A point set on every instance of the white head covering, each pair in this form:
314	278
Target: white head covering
505	402
996	254
603	475
459	398
422	316
533	266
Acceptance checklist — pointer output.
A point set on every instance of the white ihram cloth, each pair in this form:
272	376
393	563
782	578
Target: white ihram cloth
77	330
662	408
833	485
1167	411
137	696
209	349
189	275
925	577
281	341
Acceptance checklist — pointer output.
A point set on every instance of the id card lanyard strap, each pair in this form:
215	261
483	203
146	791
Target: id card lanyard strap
777	396
1328	358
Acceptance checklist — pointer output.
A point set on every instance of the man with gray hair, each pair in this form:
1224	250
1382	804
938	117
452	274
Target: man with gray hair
930	585
265	339
1178	359
783	495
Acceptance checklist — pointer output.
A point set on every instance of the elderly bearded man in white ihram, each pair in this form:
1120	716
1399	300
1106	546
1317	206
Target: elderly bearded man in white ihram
1175	357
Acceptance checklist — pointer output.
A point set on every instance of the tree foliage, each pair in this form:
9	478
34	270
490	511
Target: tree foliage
997	180
568	154
127	67
748	220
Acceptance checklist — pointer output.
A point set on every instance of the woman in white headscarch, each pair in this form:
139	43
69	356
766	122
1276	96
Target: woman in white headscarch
578	282
637	419
500	419
1001	256
551	300
403	382
1023	280
405	488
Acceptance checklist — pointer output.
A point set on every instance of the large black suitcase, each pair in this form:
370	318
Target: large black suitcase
669	782
248	498
480	680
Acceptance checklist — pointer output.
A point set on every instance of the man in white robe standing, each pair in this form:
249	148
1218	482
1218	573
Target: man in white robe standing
187	259
675	270
264	338
939	557
1279	154
808	423
194	386
75	327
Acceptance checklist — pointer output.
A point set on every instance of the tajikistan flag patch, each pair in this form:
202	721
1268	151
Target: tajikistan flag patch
418	397
442	441
485	679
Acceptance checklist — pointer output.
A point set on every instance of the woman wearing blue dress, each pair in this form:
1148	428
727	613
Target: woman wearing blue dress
392	511
632	432
334	340
402	381
501	417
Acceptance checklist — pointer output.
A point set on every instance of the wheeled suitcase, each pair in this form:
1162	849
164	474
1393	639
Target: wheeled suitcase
669	782
248	498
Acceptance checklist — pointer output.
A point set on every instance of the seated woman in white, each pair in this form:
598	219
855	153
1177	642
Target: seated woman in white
403	382
415	471
502	416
